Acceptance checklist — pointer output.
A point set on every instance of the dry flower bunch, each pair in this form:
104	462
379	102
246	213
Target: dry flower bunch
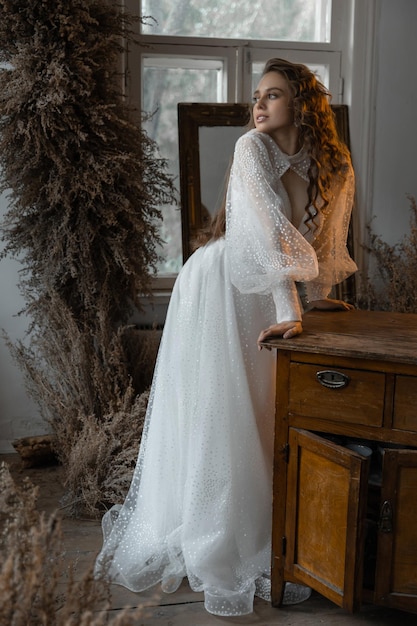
392	286
32	565
103	458
85	184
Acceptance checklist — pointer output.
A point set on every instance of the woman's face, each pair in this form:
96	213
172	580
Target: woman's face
272	110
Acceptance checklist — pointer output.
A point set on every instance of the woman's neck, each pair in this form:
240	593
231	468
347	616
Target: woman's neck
288	140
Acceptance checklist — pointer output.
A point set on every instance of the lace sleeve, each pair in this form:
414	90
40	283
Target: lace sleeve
266	253
335	263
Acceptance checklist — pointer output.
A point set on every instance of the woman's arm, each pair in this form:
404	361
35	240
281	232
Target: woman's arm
334	261
266	253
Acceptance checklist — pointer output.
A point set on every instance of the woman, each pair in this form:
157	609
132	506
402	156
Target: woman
200	500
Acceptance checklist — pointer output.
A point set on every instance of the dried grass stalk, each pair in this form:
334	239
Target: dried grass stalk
393	285
103	458
32	563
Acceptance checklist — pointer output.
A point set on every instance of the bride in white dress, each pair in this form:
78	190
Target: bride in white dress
200	501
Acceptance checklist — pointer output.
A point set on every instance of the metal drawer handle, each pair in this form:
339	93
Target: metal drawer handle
332	379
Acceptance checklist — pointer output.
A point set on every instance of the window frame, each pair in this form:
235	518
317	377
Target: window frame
339	12
238	56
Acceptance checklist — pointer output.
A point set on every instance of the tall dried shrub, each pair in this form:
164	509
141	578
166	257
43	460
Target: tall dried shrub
103	458
32	564
84	184
393	284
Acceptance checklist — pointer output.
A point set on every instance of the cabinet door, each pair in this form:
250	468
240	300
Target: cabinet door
396	569
325	518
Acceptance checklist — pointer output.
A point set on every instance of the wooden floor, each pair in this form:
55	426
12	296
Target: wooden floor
82	541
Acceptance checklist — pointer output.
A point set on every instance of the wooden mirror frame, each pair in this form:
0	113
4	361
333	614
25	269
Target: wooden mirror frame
192	116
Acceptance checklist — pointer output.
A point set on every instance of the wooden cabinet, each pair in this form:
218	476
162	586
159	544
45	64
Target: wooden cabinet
345	524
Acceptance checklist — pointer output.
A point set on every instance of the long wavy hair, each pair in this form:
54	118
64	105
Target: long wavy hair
316	123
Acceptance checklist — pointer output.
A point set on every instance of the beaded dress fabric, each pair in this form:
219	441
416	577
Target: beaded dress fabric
200	501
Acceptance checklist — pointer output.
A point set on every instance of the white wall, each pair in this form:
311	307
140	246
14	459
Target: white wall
19	416
383	64
395	164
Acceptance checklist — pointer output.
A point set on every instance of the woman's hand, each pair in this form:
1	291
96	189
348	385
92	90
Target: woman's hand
327	304
284	330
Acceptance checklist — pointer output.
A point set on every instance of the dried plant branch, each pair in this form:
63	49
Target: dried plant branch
393	285
85	184
32	564
103	458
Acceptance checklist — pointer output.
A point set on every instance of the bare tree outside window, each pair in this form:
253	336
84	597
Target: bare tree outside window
284	20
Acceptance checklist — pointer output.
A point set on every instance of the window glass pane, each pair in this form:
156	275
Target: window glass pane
167	81
285	20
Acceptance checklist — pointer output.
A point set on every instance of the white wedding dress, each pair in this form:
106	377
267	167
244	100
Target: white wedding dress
200	501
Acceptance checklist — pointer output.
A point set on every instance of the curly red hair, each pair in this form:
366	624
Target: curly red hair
316	122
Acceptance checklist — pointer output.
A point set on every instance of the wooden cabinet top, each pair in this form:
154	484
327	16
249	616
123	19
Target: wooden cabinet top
359	334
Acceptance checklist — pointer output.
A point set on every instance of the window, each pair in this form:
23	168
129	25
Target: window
282	20
214	51
167	80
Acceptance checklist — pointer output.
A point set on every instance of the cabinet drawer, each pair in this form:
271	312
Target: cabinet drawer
405	403
360	401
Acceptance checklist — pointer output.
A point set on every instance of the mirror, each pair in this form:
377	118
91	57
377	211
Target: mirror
207	135
215	163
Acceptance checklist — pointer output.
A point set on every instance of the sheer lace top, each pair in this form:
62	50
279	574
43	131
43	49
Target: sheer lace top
266	252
